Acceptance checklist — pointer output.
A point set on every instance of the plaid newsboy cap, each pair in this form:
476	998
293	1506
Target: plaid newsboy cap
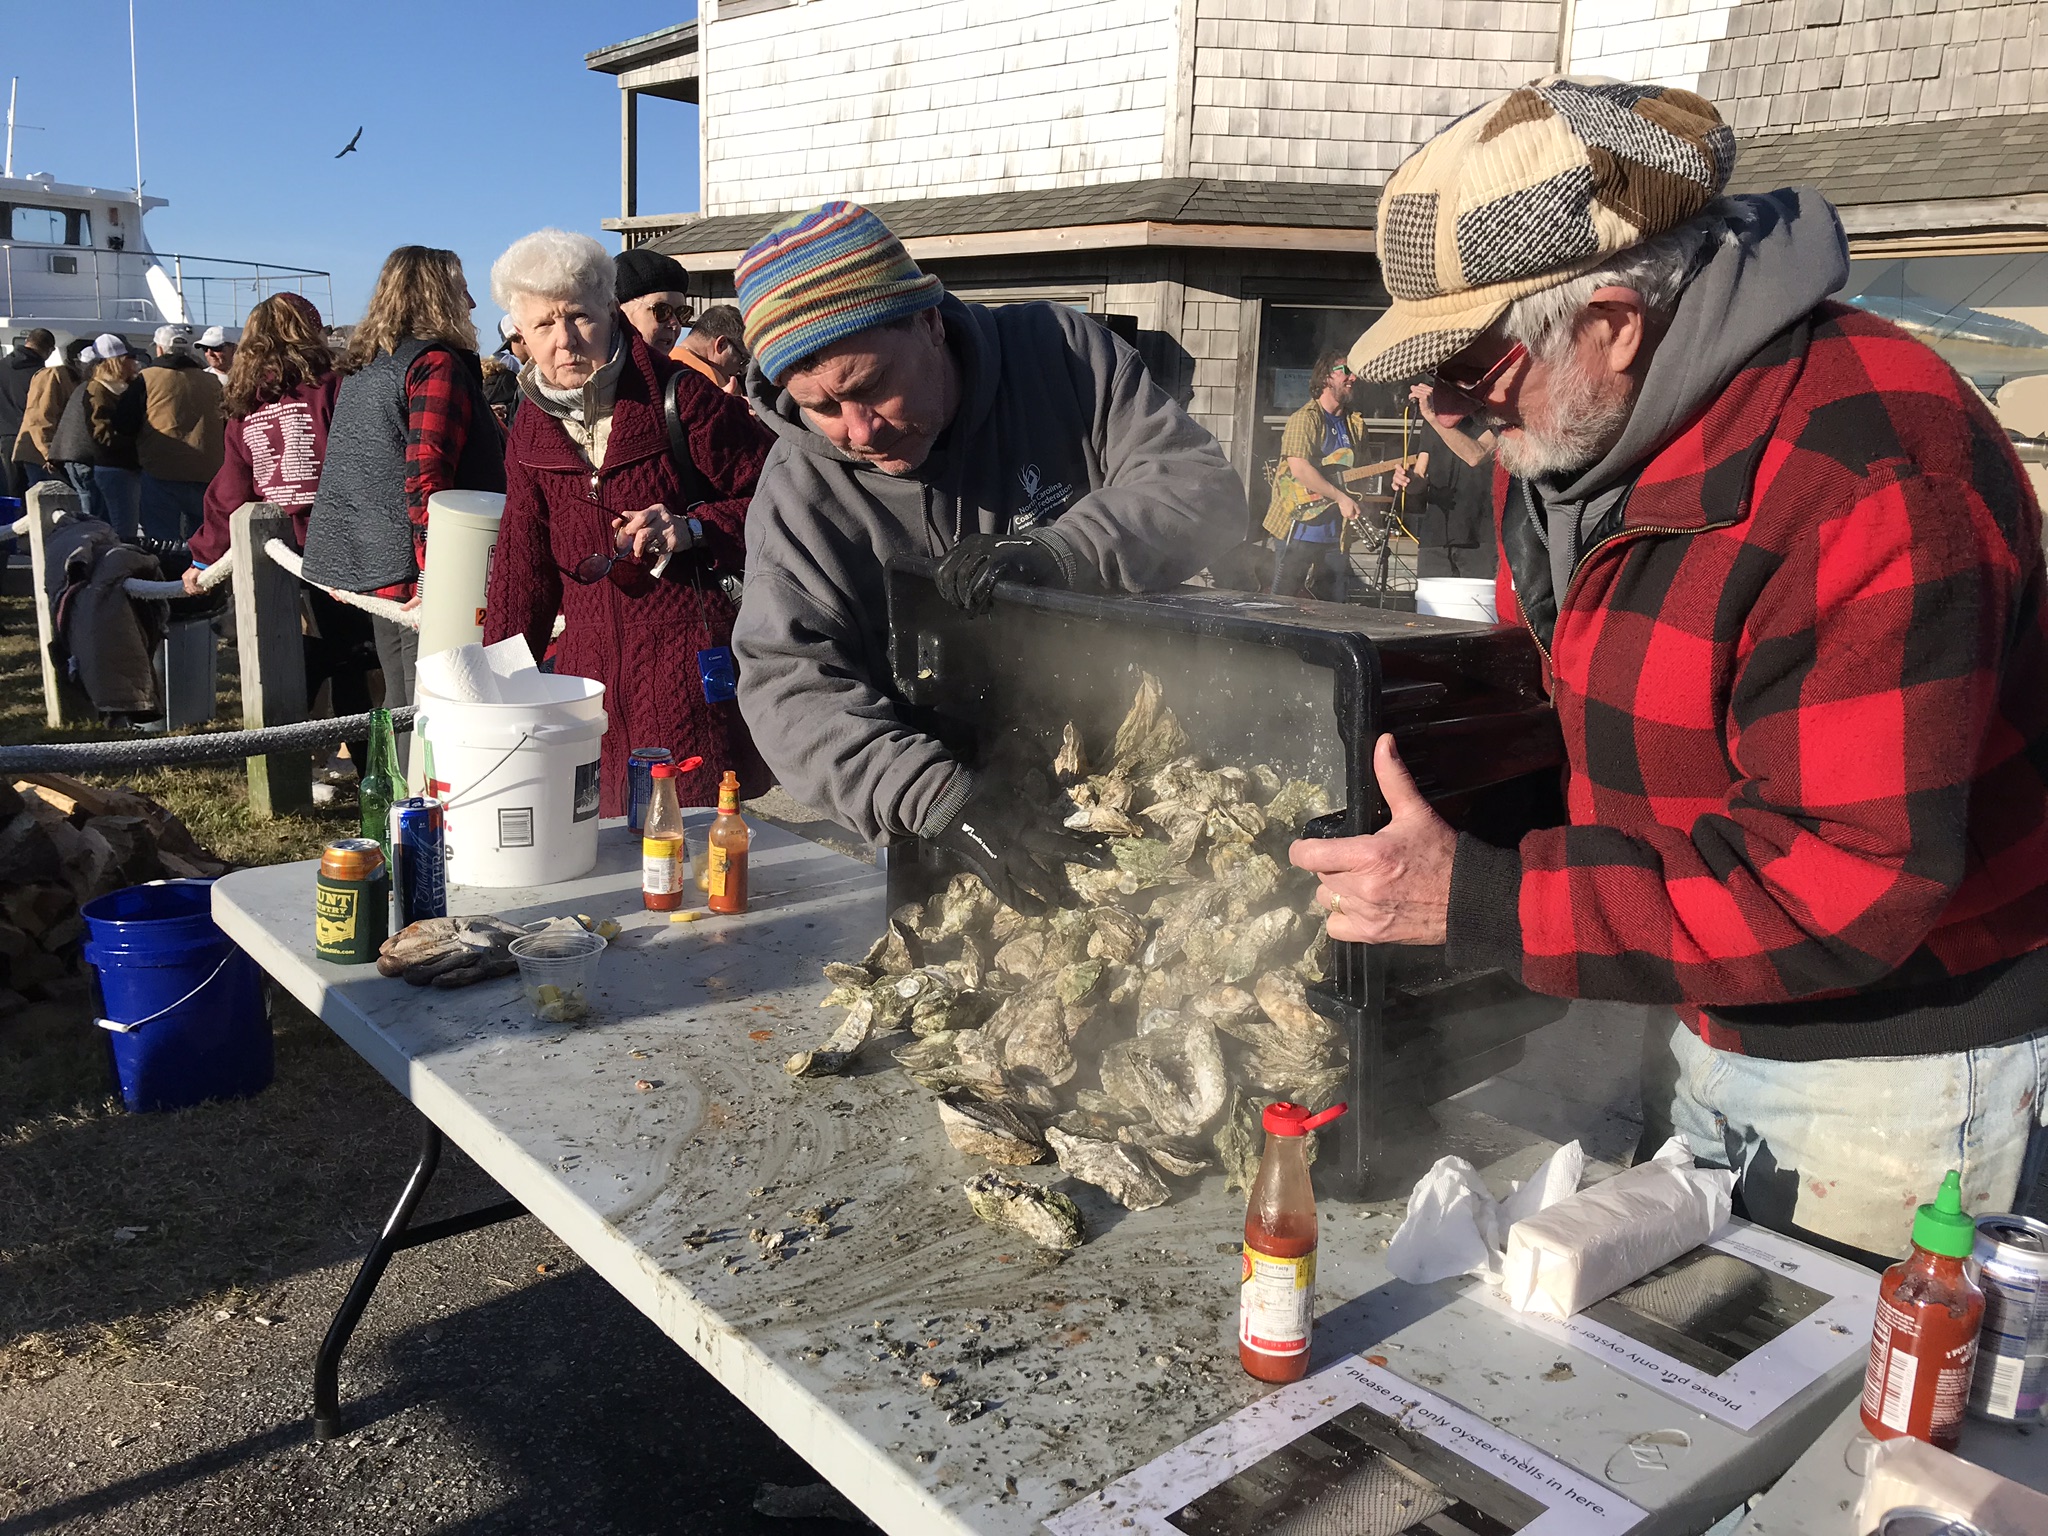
1525	193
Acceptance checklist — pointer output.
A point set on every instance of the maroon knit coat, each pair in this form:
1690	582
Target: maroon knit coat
636	635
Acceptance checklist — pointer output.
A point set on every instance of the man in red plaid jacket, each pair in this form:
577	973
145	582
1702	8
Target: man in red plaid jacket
1787	576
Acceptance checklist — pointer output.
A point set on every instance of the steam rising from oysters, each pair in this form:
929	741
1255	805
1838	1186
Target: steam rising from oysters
1137	1033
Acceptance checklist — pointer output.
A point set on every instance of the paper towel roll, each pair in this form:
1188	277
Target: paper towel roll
1589	1245
461	675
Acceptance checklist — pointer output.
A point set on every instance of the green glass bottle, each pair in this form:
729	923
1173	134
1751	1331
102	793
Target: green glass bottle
380	782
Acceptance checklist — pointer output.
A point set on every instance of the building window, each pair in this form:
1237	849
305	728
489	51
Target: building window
1291	337
1986	314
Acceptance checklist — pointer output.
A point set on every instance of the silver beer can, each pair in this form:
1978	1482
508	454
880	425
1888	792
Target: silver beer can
2011	1260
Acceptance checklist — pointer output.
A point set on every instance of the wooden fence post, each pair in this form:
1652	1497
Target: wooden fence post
273	651
46	499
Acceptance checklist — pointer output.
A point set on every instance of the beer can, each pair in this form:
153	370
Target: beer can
351	901
640	782
2011	1260
419	860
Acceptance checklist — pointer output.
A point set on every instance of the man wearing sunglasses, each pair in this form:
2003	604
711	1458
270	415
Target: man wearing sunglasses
1309	502
1786	575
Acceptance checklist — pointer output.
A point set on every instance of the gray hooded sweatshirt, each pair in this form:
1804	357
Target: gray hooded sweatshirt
1061	431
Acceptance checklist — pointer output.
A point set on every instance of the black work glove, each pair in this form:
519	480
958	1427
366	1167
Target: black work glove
967	577
1009	839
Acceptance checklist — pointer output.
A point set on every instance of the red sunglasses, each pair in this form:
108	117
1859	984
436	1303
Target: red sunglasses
1477	388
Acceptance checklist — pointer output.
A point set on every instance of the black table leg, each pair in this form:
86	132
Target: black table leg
398	1233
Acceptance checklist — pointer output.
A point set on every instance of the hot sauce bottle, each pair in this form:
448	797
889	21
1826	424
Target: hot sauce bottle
1924	1345
662	863
725	851
1276	1300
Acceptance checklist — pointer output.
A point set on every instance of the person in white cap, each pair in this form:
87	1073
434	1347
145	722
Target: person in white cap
98	460
173	414
220	352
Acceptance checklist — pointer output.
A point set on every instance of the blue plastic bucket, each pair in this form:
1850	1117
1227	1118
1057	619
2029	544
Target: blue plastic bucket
181	1005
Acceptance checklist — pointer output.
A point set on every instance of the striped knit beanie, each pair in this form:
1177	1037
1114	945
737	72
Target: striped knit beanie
821	276
1526	193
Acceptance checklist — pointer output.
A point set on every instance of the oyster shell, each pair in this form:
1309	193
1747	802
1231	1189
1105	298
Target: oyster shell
965	904
840	1047
1029	1038
1175	1074
1096	887
1045	1216
926	1059
1302	1030
1116	936
1106	819
1297	802
895	952
1149	736
1150	861
1228	1008
842	975
1089	1122
1110	1168
1071	761
1181	1156
994	1131
1237	1143
1023	956
1246	951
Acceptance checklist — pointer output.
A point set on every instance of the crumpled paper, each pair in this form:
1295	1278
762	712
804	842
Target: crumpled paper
1564	1258
1454	1225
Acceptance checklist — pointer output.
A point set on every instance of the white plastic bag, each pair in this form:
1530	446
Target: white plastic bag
1563	1259
1454	1225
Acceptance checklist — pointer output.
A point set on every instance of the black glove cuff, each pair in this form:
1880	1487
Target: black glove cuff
945	810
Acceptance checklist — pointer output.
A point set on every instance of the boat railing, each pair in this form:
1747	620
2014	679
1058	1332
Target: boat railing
212	290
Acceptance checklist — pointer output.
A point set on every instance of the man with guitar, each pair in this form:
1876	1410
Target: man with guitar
1319	442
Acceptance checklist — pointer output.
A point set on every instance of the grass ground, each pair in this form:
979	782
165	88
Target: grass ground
165	1278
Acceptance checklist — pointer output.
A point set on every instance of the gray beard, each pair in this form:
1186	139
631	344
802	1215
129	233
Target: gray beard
1586	425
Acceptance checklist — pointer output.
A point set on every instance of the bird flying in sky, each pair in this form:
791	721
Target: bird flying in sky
349	148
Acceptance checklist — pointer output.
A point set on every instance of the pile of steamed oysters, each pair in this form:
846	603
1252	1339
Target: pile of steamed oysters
1136	1036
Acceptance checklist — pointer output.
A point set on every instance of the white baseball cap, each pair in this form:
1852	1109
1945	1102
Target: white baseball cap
506	329
106	345
172	338
213	336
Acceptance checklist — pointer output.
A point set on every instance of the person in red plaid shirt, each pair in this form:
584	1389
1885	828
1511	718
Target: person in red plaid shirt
1786	575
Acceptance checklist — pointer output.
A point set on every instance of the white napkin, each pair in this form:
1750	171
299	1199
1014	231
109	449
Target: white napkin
1566	1257
1454	1225
461	675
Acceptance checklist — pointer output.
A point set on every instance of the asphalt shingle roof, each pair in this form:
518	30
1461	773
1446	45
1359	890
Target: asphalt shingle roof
1176	200
1967	157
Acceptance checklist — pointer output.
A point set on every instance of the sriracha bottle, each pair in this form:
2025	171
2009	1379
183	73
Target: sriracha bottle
1924	1345
725	851
1276	1299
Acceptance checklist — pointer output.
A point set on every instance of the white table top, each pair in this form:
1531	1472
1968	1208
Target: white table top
1055	1378
1817	1497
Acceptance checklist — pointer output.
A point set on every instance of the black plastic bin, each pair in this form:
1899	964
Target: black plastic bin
1307	687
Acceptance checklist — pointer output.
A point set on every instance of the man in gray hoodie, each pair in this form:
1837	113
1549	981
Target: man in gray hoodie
1017	444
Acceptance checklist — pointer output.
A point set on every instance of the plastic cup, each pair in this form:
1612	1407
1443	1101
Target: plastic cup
554	969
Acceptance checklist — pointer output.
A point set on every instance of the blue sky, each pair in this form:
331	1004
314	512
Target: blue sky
480	123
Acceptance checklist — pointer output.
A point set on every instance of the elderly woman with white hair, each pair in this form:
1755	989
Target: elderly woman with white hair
627	482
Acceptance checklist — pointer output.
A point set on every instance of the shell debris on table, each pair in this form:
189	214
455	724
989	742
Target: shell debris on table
1134	1034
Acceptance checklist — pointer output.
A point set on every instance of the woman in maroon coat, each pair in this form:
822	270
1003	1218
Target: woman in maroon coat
603	526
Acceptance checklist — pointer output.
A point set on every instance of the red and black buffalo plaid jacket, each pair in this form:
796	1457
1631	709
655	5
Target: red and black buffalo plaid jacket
1803	684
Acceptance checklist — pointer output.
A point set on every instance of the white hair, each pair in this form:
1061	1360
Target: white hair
1658	269
556	265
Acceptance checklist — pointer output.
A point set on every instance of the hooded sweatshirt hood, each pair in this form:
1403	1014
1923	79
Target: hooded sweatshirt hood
1768	263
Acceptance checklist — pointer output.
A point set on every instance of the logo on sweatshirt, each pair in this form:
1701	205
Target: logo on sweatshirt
1042	502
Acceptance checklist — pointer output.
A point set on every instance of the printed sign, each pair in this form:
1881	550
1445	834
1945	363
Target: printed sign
1352	1448
515	827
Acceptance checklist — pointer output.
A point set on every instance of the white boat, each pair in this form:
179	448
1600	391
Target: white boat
75	260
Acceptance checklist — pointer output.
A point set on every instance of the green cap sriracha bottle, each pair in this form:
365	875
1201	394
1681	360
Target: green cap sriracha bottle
1923	1345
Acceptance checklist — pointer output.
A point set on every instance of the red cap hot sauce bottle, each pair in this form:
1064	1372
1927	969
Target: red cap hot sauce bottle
1276	1299
1923	1346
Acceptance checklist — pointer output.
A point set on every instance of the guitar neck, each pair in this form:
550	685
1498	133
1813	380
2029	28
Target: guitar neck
1367	471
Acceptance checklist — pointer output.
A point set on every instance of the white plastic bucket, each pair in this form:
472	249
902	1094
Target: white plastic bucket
462	535
1454	597
520	783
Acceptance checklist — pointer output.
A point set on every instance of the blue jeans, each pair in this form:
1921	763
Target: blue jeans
1844	1151
80	478
120	497
172	509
